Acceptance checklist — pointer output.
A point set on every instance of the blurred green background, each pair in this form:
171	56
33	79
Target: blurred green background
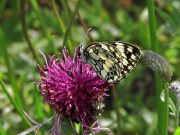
108	20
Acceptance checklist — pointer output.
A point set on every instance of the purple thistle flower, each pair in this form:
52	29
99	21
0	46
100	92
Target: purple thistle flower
73	88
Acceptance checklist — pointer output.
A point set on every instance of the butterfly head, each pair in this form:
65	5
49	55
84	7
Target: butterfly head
82	53
81	48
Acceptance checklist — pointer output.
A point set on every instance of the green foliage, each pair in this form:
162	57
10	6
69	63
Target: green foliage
177	132
46	25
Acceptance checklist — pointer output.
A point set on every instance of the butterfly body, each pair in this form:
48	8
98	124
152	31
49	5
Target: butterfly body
111	60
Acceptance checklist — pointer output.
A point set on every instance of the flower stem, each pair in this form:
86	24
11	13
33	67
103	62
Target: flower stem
166	107
46	33
11	74
116	109
152	25
24	30
74	129
14	103
70	24
162	107
2	130
60	21
177	110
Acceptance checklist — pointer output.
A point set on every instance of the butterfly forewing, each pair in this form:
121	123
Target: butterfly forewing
111	60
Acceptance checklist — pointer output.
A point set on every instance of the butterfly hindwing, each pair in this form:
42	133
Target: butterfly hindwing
111	60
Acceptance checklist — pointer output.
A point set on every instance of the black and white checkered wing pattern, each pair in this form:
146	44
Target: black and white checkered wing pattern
111	60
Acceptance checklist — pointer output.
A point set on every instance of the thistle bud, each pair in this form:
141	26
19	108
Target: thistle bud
158	64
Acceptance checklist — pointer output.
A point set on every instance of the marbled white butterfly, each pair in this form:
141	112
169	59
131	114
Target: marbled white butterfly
111	60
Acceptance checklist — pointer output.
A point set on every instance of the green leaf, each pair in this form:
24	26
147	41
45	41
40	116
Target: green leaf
177	132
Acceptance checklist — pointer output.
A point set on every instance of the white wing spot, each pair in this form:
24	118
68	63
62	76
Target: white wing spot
104	47
105	68
133	57
103	73
110	81
111	48
120	44
130	49
108	64
130	67
125	62
115	77
94	56
123	55
91	51
125	72
120	48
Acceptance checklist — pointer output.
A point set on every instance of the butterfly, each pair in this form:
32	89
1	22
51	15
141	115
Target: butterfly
111	60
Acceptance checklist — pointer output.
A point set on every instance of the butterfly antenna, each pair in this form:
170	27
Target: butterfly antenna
89	35
79	44
68	39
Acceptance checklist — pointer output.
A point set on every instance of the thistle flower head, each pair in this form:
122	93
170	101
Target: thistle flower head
73	88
